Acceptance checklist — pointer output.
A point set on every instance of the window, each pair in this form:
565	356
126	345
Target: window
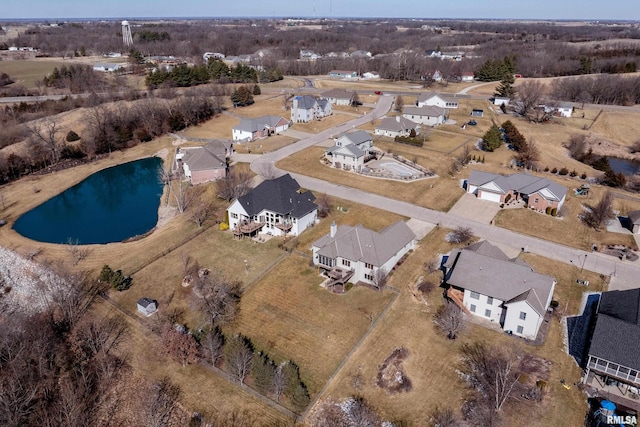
234	215
346	263
523	315
475	295
472	308
520	329
368	277
487	313
369	266
490	300
535	200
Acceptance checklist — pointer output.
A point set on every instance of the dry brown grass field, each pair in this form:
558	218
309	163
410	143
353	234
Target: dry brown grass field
27	73
434	193
433	359
619	127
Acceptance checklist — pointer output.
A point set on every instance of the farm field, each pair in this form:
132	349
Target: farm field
27	73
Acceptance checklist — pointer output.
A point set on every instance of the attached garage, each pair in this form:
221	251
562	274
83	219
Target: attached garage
492	197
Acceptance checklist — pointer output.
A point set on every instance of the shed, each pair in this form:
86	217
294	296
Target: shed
476	112
147	306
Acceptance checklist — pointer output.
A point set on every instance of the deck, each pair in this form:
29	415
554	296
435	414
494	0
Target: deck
617	392
247	228
457	297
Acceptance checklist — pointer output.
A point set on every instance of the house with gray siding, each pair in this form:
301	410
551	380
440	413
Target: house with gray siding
396	126
427	115
261	127
351	151
433	99
338	96
306	108
484	282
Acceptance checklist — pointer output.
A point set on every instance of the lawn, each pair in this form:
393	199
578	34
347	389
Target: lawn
289	316
432	362
317	126
435	193
27	73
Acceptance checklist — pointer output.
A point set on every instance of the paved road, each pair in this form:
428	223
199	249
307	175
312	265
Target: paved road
624	274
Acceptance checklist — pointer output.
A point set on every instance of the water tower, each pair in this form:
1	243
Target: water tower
126	34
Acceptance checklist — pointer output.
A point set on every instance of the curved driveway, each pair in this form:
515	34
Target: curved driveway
624	275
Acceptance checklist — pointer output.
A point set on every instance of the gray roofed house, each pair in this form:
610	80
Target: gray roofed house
485	282
355	254
351	150
306	108
259	127
338	96
538	193
430	115
396	126
634	221
276	207
613	366
206	163
433	98
147	306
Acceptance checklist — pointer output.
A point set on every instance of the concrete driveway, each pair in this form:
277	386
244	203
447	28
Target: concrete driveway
470	207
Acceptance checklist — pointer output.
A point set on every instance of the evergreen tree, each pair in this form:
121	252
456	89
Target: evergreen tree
263	372
256	90
492	139
513	136
241	96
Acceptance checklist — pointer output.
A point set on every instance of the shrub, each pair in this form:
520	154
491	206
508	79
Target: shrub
71	152
546	169
554	212
554	304
116	279
72	136
573	173
224	226
563	171
554	170
583	176
548	210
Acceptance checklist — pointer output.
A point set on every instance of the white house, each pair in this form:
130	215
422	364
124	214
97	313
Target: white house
486	283
565	109
467	77
499	100
277	207
261	127
537	193
427	115
343	74
351	151
396	126
147	306
338	96
212	55
108	67
357	254
371	75
306	108
433	99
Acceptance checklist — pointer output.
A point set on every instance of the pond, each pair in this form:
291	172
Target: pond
627	167
111	205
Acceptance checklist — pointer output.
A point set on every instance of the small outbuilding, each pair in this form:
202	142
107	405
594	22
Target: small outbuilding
147	306
634	221
476	112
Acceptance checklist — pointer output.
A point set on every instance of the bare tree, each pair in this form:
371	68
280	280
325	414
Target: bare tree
239	354
380	277
214	343
324	205
399	103
179	344
443	417
279	381
47	135
529	155
596	216
77	251
492	371
449	319
267	170
162	403
236	184
218	298
460	235
529	96
182	195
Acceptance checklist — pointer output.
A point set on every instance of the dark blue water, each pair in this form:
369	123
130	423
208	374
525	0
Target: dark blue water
627	167
109	206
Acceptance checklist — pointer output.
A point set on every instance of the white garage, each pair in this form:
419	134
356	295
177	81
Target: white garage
492	197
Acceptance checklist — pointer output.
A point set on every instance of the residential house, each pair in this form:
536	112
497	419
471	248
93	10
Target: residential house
351	151
207	163
371	75
106	67
261	127
147	306
309	55
433	99
212	55
634	221
396	126
277	207
343	74
361	54
357	254
338	96
499	100
564	109
537	193
437	76
486	283
613	364
467	76
427	115
306	108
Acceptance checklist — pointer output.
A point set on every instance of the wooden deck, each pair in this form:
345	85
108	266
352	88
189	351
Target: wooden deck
457	297
247	228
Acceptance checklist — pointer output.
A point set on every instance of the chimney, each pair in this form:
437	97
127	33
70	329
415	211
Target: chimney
334	229
398	119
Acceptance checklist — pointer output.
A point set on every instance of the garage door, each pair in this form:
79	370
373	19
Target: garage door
485	195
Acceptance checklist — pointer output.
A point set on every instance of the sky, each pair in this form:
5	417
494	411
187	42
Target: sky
424	9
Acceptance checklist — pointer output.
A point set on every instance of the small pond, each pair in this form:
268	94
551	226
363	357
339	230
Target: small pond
627	167
111	205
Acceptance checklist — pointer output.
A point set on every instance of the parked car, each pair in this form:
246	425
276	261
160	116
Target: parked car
472	123
378	92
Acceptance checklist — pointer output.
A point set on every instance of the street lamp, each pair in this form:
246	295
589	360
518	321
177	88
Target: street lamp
583	262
